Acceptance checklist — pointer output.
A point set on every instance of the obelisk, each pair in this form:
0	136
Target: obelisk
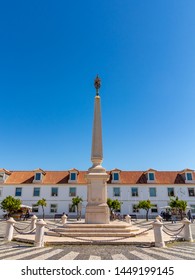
97	211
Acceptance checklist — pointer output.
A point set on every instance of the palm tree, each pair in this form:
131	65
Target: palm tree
179	205
75	203
42	202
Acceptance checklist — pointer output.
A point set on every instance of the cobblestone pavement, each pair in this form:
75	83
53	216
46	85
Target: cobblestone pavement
20	251
177	251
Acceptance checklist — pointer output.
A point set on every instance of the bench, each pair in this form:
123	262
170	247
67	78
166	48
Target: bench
133	216
58	216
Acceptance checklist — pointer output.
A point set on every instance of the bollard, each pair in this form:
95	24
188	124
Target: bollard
33	222
158	234
128	219
186	232
159	218
64	219
39	235
9	229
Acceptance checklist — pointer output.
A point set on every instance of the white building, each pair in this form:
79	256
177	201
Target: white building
129	187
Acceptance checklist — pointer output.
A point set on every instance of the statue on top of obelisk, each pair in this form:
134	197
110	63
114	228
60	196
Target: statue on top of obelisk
97	84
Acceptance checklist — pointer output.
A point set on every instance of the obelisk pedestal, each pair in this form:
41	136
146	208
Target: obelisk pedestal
97	211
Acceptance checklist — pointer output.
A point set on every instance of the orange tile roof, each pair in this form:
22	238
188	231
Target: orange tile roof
126	177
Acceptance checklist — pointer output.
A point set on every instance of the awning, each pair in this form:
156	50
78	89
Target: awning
25	206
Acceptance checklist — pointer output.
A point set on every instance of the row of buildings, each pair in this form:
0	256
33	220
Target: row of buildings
129	187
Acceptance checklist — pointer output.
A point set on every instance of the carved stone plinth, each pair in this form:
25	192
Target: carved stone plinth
97	211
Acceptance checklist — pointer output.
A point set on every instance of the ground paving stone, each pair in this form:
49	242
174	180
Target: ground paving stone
21	251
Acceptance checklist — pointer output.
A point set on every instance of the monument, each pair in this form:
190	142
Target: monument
97	211
97	216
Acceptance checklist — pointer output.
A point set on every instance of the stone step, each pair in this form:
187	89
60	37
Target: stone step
90	234
83	225
106	230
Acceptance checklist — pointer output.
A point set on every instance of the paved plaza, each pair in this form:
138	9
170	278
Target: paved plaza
15	251
23	251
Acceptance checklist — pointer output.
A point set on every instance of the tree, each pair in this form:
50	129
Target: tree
178	205
146	205
42	202
11	205
113	205
76	202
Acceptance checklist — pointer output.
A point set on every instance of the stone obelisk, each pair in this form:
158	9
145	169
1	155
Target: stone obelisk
97	211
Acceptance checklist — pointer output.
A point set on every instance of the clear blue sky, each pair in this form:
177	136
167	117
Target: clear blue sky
50	53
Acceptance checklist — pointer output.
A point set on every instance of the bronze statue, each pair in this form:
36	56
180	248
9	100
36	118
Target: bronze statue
97	84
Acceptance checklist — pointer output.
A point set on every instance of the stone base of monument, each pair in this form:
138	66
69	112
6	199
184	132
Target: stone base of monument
99	214
94	230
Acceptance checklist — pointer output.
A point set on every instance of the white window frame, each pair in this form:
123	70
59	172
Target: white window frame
155	207
114	191
35	208
193	192
186	178
168	192
53	208
136	192
39	191
114	180
192	208
76	176
2	177
38	180
57	192
135	210
149	180
70	192
155	192
15	192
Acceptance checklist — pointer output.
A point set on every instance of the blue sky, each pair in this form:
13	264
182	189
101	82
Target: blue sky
50	53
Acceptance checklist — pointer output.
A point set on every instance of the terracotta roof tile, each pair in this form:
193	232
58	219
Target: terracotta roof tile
126	177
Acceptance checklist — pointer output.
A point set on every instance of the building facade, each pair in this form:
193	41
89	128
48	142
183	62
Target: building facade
129	187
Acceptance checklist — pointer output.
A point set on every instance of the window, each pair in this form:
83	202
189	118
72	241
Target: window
1	177
37	176
152	192
18	192
135	209
72	209
189	176
170	191
73	176
154	209
35	208
134	191
191	192
116	192
72	192
53	208
192	208
36	192
54	191
151	176
115	176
